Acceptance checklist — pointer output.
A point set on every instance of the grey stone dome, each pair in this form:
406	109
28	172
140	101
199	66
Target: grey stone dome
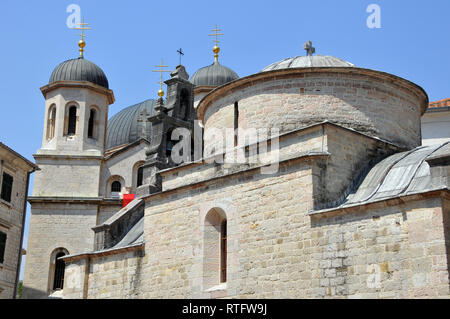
79	69
126	126
315	61
213	75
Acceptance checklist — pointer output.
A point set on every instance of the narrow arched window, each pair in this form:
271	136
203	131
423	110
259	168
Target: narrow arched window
223	251
140	176
91	124
72	125
215	248
51	122
116	187
58	282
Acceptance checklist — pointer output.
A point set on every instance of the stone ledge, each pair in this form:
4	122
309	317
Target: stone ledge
88	200
392	201
305	157
103	253
202	161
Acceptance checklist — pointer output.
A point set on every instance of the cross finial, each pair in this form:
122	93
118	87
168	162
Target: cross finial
216	48
82	26
180	52
310	50
161	70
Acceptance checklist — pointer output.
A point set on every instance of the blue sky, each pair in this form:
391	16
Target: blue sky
130	37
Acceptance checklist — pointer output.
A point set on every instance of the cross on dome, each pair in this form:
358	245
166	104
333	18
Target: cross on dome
310	50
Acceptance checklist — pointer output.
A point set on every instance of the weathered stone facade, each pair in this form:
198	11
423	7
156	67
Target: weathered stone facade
12	217
276	248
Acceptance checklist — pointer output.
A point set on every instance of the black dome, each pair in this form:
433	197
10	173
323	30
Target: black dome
79	70
213	75
126	126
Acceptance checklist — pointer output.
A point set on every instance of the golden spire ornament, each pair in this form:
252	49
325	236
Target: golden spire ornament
216	48
161	70
81	43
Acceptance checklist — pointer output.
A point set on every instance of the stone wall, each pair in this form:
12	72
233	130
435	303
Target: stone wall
388	250
391	249
67	177
115	276
125	165
367	101
54	226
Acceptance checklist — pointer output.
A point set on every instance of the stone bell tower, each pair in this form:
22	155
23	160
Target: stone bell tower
177	111
66	191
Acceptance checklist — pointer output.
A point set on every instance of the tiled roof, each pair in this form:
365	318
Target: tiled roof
440	103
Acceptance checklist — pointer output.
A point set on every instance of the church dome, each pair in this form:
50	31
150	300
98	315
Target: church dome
309	61
79	69
316	61
213	75
127	126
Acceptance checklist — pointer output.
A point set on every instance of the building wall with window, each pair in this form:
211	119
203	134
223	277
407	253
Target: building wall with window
14	171
436	123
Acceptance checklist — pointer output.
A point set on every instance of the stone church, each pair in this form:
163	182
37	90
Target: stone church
356	207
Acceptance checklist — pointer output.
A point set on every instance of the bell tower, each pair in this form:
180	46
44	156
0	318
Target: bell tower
66	192
176	112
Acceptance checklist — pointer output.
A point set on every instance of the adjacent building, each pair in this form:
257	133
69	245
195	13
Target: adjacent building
15	172
436	123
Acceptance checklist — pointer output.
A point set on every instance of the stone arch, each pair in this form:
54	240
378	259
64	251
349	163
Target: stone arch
214	248
93	117
109	184
137	170
71	118
51	122
56	269
225	209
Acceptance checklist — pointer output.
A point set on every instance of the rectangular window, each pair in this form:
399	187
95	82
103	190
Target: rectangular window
2	246
7	184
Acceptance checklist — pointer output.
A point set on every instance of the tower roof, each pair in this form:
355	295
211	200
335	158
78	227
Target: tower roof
213	75
79	69
308	62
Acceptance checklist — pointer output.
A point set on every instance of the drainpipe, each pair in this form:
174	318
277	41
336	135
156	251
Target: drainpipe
19	258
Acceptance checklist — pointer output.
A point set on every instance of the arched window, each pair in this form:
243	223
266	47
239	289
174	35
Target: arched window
91	124
72	125
51	122
60	266
116	187
215	248
140	176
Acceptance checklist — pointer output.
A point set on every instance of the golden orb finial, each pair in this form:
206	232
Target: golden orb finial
216	48
216	51
160	93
